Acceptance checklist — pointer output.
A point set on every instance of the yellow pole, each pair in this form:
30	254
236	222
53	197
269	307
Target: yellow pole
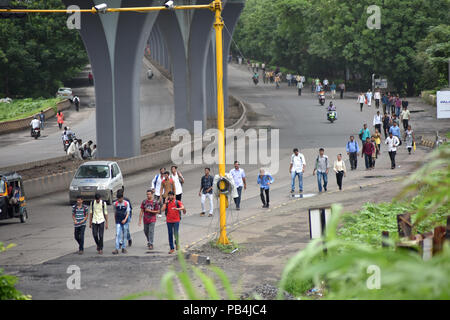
218	26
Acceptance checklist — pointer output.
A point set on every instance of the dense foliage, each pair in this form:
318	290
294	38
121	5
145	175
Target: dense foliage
327	38
38	53
23	108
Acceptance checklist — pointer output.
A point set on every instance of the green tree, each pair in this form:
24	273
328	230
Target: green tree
39	52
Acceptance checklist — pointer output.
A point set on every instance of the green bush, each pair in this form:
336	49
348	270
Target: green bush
7	283
23	108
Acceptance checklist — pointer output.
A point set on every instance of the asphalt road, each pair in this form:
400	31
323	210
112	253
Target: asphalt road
157	114
45	244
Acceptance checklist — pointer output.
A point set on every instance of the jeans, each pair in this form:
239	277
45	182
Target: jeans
392	156
79	236
339	178
97	231
342	94
353	160
300	180
211	203
173	231
320	176
149	231
237	200
368	160
299	92
397	111
405	124
265	200
121	232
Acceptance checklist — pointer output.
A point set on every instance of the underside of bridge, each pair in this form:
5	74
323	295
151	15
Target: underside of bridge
180	41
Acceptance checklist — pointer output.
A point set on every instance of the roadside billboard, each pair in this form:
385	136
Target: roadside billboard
443	104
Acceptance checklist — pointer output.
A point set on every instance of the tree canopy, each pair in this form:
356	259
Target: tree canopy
38	53
329	37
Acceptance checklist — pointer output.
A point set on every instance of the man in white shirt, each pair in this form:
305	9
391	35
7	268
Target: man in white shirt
393	143
35	124
369	98
74	151
297	168
240	182
377	121
156	184
325	84
377	97
178	179
98	221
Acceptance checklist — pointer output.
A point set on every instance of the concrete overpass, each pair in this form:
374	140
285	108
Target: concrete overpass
181	41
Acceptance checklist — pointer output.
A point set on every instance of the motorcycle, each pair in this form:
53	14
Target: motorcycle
66	144
331	116
322	98
36	133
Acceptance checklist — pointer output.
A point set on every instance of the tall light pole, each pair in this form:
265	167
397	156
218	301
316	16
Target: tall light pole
216	7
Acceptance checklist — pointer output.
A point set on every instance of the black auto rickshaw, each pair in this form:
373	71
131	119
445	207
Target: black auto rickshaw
12	197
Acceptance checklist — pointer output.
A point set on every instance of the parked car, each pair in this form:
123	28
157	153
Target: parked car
65	93
102	177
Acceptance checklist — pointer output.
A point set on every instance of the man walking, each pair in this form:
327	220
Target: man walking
297	168
80	213
76	100
240	182
377	121
206	191
178	179
395	130
364	133
393	142
98	221
361	100
386	124
385	102
156	186
264	180
352	151
167	185
173	209
42	118
299	87
377	97
122	212
369	98
342	89
405	116
149	210
321	167
367	152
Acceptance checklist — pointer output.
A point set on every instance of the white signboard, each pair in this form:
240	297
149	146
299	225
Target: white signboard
381	83
443	104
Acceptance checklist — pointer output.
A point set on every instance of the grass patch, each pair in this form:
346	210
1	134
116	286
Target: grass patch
23	108
227	248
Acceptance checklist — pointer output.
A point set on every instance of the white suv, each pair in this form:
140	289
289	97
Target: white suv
65	93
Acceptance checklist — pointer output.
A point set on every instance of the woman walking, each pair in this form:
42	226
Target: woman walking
60	119
340	169
410	139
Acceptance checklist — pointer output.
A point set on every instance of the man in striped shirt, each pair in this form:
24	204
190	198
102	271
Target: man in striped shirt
80	213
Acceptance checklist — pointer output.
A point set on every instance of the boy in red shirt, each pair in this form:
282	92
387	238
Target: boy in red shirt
173	209
149	210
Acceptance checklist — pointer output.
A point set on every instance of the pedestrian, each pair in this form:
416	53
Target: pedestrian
149	209
42	118
377	97
340	170
277	81
98	221
369	98
80	214
156	187
352	151
364	133
297	168
76	101
377	136
392	103
264	180
342	89
325	84
386	124
173	209
167	185
361	100
94	152
393	142
128	233
289	79
333	90
395	130
122	212
377	121
90	78
375	151
410	139
313	87
178	179
240	182
398	105
405	116
206	191
321	167
367	152
385	102
299	87
60	119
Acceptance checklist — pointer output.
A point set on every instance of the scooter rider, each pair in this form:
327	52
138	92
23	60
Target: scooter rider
332	107
35	124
